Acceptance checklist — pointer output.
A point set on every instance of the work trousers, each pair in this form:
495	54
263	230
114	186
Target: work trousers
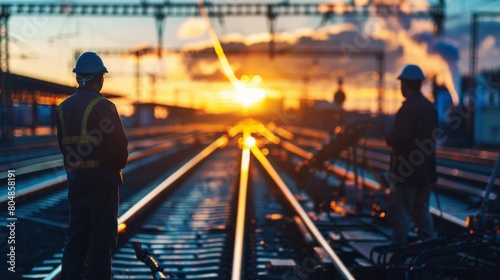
92	234
406	203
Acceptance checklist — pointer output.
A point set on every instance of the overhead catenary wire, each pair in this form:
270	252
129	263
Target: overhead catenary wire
224	62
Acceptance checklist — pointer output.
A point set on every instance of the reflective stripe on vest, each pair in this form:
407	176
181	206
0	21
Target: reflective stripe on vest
83	138
84	164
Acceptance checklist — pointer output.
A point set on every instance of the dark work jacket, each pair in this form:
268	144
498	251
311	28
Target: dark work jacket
94	157
413	142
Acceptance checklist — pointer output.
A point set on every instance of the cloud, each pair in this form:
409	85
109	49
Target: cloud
284	66
488	52
192	28
487	45
407	40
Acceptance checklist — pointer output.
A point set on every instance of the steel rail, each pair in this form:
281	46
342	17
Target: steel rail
242	205
135	210
455	172
461	154
59	179
344	272
337	170
156	130
367	182
381	161
19	165
383	164
445	183
51	142
170	180
439	213
56	161
468	155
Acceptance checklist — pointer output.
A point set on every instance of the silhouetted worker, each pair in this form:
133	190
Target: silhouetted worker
339	96
94	146
413	159
338	102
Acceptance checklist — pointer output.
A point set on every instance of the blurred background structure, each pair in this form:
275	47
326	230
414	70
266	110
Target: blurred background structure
255	132
293	52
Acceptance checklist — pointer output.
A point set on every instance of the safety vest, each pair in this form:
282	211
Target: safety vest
83	138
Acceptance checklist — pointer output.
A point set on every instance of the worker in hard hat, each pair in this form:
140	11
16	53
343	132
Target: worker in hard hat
413	159
94	147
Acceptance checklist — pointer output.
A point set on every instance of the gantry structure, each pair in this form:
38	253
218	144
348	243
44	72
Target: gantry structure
473	51
162	11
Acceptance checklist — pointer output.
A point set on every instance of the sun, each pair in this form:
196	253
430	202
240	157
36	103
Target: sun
249	96
247	92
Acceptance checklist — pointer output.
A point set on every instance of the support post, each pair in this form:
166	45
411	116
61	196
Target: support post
5	94
380	61
34	115
137	75
53	116
473	57
438	16
271	19
160	24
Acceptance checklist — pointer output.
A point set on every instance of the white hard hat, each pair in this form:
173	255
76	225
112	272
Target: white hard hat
411	72
89	63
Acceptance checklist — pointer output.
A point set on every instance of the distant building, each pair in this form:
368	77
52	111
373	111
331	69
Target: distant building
487	111
320	114
154	114
476	119
32	104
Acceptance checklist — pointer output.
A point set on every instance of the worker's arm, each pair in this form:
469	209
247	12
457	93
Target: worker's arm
120	146
59	128
403	131
115	142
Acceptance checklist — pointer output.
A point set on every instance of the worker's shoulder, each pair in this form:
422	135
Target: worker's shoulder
62	103
70	101
105	106
417	102
105	101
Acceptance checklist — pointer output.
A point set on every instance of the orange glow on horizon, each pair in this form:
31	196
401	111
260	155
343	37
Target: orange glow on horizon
177	83
249	96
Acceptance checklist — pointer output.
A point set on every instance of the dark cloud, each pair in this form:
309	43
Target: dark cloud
437	45
254	59
297	59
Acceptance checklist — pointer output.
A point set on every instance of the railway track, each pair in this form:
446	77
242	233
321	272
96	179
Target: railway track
463	174
42	207
457	204
234	210
48	171
194	223
33	150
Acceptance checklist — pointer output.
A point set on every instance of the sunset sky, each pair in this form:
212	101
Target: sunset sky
43	47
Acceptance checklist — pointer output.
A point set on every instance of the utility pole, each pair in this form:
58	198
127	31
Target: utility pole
473	55
5	94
